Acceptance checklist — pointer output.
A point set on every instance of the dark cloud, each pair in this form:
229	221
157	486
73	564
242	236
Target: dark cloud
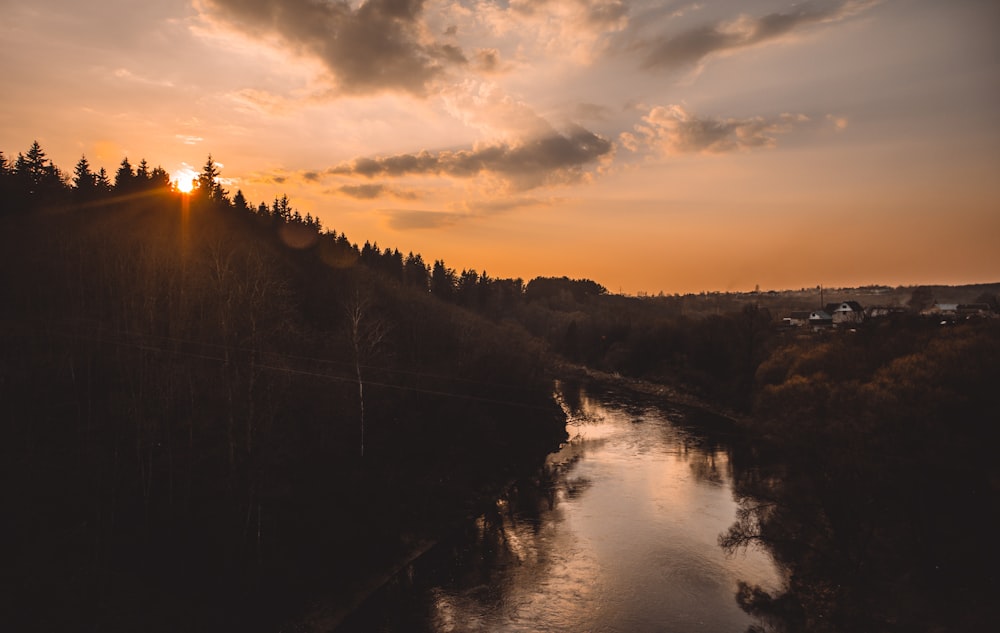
363	192
405	219
692	46
369	49
550	159
488	60
372	191
491	207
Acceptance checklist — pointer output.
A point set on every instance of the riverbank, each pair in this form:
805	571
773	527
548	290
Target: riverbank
662	392
460	488
617	531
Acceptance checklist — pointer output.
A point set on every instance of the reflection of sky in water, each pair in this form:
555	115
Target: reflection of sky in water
628	542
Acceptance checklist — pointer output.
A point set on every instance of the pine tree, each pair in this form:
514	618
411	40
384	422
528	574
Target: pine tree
208	182
282	209
240	202
36	172
415	272
35	181
124	177
442	280
6	183
159	178
102	182
84	180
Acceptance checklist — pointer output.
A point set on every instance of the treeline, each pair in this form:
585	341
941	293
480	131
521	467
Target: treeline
714	355
211	410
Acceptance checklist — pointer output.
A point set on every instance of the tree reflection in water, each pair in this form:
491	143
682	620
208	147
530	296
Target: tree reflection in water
617	531
481	570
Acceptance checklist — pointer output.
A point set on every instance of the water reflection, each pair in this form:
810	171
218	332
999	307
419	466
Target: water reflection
618	531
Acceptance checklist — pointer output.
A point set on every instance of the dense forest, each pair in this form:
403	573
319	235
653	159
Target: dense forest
871	476
210	404
212	409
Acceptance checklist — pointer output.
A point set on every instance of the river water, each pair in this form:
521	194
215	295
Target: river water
618	532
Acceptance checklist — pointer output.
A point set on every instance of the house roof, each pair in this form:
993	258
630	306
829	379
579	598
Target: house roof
843	306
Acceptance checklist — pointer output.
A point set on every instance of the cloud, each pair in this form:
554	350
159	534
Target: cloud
501	205
381	45
692	46
127	75
546	160
259	101
486	107
487	61
599	13
673	130
188	139
372	191
533	33
405	219
592	112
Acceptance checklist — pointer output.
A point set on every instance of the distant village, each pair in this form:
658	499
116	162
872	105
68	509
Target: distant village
823	308
847	313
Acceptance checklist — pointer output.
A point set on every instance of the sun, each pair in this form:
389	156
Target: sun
184	185
184	179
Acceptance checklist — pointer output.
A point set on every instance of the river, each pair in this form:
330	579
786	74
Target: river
617	532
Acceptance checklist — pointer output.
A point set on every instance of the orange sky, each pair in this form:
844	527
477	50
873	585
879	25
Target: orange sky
648	145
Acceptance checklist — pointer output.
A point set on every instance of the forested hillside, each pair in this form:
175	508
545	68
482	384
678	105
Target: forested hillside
211	409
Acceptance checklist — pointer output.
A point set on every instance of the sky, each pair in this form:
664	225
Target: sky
647	145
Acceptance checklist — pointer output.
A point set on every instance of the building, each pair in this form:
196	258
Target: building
845	312
820	319
797	318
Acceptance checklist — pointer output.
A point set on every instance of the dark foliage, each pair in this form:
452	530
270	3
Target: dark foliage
186	381
873	478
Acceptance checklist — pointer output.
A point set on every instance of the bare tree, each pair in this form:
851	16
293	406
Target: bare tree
367	331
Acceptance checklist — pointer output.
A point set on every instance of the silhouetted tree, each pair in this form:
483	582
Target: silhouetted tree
38	179
240	202
6	183
124	177
159	179
102	183
209	186
442	281
282	209
84	181
415	272
921	299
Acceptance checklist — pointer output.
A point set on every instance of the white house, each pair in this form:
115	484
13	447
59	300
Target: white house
820	318
846	312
